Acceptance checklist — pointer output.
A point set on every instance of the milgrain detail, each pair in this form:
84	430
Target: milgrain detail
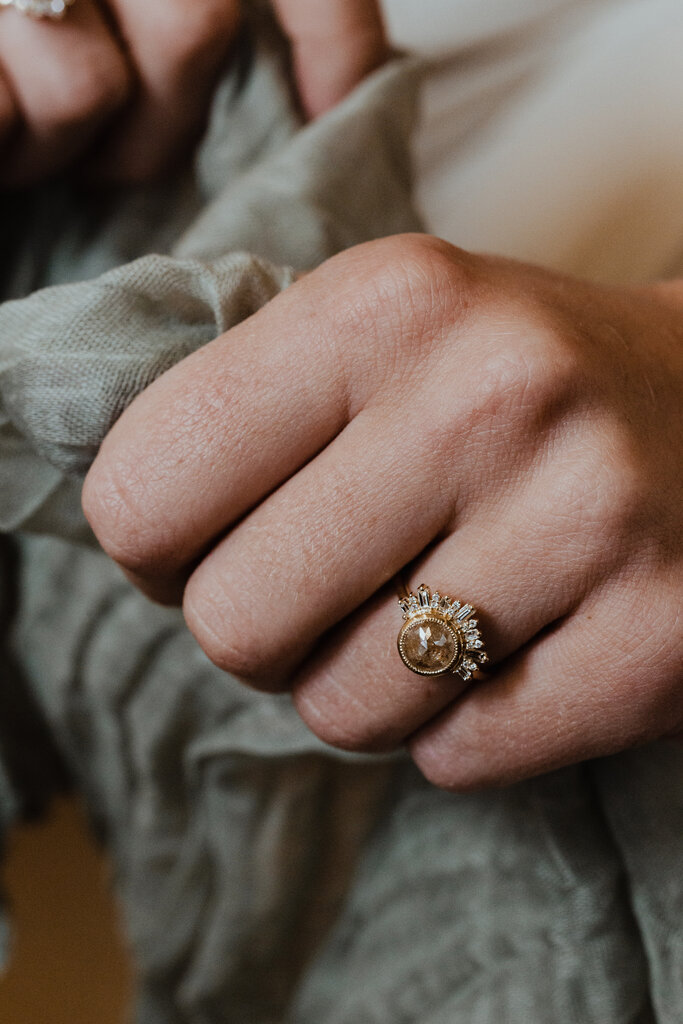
440	635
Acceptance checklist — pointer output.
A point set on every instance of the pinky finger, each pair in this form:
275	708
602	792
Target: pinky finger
606	679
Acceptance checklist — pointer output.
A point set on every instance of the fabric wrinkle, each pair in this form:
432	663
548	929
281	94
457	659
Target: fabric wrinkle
263	876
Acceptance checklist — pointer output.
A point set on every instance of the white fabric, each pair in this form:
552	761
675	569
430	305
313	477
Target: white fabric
553	130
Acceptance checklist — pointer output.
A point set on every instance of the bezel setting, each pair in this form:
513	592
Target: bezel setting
460	634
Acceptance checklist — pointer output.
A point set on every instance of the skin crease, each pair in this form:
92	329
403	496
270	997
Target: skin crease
121	88
507	435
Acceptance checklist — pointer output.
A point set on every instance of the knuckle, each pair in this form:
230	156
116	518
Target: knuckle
652	653
336	728
201	617
112	504
616	495
395	297
605	488
401	295
454	774
190	31
333	733
465	760
426	281
227	636
236	659
525	381
98	85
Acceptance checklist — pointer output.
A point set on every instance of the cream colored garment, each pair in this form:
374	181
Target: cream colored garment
552	130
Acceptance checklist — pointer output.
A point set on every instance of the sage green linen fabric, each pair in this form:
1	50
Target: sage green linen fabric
265	878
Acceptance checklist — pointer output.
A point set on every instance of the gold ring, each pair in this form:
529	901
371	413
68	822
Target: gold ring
439	635
39	8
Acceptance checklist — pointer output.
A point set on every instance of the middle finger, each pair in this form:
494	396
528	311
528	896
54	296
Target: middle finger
318	547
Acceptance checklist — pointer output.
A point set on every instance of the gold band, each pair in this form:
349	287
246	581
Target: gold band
439	635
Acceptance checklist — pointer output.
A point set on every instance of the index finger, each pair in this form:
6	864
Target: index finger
222	429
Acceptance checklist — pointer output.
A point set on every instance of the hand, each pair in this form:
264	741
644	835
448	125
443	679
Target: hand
509	436
152	66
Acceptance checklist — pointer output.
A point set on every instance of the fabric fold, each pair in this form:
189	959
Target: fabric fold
265	877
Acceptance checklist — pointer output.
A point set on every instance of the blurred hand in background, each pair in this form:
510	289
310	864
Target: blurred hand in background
127	85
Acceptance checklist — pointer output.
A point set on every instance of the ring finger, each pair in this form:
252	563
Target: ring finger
280	586
591	688
356	693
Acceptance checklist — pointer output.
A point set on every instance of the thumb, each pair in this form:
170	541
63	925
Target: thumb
335	44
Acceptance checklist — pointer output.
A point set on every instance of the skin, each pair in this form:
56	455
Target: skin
121	88
509	436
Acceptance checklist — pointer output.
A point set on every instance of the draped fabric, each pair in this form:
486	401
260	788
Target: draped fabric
263	876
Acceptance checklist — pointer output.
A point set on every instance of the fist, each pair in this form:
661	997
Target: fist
506	435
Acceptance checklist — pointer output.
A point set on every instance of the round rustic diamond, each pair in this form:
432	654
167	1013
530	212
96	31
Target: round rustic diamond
429	645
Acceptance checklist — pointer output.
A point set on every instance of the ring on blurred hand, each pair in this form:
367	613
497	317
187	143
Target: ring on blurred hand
39	8
439	635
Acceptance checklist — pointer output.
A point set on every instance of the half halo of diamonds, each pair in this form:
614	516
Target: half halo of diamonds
39	8
440	635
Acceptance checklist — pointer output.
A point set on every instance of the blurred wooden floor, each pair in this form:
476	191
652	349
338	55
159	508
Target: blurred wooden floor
68	964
